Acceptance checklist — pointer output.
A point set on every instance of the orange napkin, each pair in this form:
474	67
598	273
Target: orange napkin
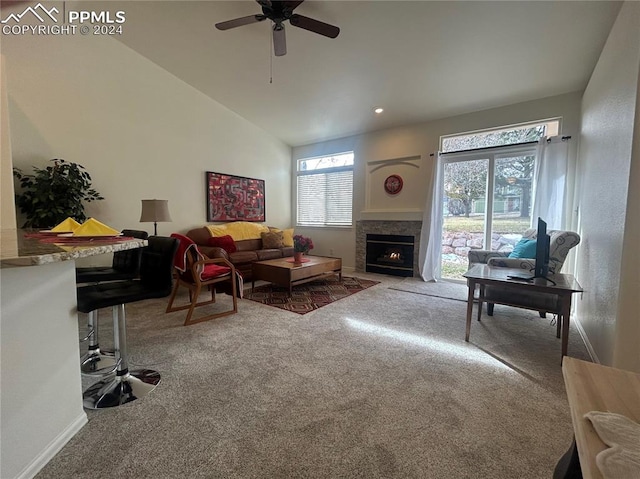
93	227
67	225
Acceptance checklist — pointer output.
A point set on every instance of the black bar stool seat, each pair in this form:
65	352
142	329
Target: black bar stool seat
155	282
125	266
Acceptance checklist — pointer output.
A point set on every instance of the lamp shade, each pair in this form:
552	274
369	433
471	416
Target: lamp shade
156	211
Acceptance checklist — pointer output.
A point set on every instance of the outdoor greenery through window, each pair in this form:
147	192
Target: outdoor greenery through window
325	190
488	191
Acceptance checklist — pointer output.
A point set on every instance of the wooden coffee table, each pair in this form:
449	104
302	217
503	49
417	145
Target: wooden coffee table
284	272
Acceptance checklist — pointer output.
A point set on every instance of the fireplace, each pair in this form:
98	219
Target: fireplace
389	254
390	228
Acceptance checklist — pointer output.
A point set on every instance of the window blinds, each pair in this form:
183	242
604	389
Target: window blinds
325	197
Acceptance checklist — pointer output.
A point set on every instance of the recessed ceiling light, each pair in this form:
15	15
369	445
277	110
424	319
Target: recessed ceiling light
378	110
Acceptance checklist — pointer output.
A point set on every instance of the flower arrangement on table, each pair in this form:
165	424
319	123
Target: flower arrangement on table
302	244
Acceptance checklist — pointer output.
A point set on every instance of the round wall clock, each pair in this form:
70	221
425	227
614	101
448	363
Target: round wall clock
393	184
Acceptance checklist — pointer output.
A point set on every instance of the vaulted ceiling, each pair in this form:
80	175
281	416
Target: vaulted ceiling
419	60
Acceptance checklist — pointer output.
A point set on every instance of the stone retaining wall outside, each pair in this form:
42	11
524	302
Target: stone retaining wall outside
460	243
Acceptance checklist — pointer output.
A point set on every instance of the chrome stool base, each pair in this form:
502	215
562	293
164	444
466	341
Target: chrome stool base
120	390
98	363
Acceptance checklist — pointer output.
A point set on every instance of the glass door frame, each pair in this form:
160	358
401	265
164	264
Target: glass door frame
491	154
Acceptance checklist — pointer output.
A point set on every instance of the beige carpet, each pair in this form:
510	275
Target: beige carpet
440	289
377	385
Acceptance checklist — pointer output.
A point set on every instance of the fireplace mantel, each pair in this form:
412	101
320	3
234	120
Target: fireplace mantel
398	215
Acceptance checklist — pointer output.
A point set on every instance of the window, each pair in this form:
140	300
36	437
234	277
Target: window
488	183
325	190
501	137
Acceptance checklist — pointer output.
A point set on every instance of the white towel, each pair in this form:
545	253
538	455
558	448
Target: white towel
622	435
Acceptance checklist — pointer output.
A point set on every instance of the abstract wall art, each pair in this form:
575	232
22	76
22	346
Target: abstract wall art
234	198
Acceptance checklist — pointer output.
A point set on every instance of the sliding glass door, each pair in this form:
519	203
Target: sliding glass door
486	205
463	219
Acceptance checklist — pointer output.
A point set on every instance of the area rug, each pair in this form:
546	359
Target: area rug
309	296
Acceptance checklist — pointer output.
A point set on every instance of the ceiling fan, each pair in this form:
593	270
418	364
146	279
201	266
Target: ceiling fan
278	12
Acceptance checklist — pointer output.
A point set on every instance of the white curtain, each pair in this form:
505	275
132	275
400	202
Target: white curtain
549	195
431	233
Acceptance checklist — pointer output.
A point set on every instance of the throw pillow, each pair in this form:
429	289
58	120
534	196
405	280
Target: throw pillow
525	248
225	242
287	235
271	240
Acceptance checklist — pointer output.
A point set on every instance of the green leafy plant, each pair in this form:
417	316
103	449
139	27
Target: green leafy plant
54	193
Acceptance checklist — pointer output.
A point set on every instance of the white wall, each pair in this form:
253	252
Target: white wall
40	385
7	209
608	198
417	140
140	132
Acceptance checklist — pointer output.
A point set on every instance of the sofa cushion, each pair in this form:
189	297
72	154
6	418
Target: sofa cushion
272	239
200	236
264	254
240	257
249	245
225	242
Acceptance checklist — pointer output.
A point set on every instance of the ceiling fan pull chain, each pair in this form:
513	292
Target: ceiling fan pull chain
270	60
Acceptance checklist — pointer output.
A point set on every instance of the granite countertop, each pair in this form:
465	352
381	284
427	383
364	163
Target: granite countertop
17	250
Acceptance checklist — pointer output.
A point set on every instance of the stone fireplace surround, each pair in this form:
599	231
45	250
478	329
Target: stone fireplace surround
386	227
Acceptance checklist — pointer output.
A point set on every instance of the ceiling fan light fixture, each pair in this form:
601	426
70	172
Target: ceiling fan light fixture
279	11
378	110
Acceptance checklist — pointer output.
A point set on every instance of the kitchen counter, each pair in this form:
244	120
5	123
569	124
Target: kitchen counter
18	250
40	381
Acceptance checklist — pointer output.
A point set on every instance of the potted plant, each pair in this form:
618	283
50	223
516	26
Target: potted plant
54	193
301	246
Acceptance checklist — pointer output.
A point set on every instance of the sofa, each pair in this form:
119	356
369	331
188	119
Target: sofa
243	243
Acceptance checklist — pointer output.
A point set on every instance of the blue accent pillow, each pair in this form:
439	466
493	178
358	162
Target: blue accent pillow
525	248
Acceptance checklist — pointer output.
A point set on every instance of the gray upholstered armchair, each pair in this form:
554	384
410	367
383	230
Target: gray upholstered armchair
560	245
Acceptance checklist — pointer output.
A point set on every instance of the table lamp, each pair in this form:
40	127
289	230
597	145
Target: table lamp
156	211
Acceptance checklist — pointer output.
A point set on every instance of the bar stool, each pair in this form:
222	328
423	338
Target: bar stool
125	265
155	281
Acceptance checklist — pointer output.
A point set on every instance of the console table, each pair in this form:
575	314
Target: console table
593	387
484	275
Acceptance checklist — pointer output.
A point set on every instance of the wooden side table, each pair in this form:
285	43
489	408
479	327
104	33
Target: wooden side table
484	275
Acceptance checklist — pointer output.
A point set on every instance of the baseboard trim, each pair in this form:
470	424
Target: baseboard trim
53	448
585	340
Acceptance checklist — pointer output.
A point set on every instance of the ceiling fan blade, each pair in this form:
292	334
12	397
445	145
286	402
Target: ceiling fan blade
315	26
279	40
291	4
238	22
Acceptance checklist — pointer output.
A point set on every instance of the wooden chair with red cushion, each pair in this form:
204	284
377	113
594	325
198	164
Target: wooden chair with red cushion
196	272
